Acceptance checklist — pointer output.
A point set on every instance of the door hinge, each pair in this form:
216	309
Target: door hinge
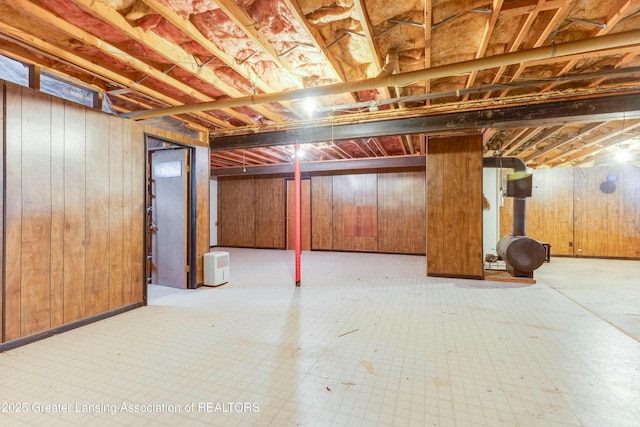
187	269
188	168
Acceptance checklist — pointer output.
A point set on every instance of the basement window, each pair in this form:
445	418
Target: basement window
67	90
14	71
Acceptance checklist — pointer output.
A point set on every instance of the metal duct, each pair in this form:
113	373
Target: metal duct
519	203
521	253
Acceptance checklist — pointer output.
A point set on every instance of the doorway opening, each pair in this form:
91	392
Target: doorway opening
170	216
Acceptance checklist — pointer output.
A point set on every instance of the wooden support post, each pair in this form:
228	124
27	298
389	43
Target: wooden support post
34	77
454	207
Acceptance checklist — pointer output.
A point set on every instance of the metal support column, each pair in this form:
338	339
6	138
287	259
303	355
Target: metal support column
296	178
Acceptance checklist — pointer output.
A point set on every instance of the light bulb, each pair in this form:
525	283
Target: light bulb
309	106
623	155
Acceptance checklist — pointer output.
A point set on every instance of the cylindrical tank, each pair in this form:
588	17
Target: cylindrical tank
521	252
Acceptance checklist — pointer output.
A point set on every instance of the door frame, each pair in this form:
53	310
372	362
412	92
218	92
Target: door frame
191	207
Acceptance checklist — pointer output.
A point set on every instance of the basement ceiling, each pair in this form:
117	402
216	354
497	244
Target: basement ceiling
238	68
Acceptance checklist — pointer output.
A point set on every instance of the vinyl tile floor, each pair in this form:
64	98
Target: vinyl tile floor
367	340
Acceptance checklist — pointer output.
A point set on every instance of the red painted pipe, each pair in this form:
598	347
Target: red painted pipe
296	178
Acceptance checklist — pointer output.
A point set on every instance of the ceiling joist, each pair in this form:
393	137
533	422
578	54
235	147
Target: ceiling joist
234	68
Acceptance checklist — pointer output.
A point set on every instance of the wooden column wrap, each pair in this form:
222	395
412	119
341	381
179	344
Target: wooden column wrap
454	207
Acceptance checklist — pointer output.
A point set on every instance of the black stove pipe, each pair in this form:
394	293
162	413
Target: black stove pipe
519	203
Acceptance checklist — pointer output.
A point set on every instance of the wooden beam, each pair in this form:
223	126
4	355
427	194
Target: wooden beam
540	134
428	20
563	49
110	50
496	8
190	30
265	156
176	55
171	52
365	22
247	26
545	114
514	45
543	135
617	12
318	41
328	166
84	64
524	7
34	76
542	38
550	147
581	152
317	38
335	147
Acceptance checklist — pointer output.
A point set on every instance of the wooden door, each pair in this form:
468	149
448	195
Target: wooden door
305	213
168	230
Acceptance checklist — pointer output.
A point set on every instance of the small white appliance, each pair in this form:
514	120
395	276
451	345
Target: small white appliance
216	268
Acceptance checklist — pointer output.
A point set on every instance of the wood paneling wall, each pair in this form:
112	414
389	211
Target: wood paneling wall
454	206
75	209
578	213
607	214
236	212
322	212
2	204
381	212
251	212
203	161
549	210
377	212
355	215
401	212
269	212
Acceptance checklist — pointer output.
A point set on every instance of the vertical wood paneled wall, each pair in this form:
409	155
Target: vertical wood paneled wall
549	210
269	212
454	206
203	161
74	223
401	212
355	212
607	212
376	212
251	212
579	212
322	212
74	195
2	203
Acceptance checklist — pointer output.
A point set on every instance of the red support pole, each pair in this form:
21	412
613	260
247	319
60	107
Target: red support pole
296	178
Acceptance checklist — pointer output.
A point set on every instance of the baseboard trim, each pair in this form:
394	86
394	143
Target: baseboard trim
19	342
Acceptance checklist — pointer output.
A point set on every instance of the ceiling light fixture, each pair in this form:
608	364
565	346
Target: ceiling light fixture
309	106
623	155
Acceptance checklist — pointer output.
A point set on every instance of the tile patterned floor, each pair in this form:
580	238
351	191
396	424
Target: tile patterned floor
368	340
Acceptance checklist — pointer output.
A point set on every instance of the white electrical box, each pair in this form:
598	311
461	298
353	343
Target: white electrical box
216	268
